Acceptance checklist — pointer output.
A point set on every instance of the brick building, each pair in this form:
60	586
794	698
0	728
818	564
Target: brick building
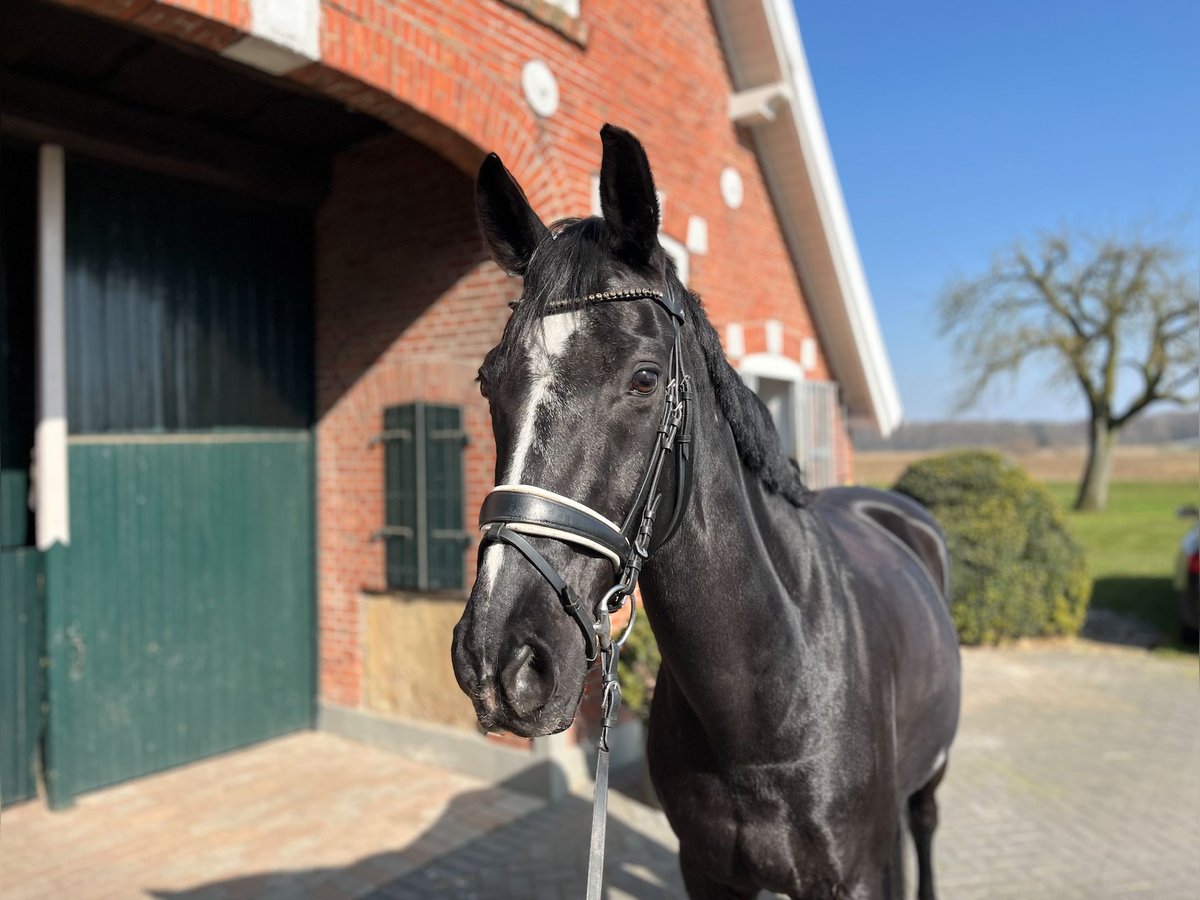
313	160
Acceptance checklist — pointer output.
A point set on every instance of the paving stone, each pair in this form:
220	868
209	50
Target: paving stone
1076	775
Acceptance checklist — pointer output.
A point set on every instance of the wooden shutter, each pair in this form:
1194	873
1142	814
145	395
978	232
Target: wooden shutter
400	505
444	442
424	528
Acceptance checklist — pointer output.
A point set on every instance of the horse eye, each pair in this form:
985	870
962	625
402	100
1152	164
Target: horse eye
645	381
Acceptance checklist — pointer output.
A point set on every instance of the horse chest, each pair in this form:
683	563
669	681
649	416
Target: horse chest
750	833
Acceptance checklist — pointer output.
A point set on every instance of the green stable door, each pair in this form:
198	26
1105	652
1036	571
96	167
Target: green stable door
21	611
180	620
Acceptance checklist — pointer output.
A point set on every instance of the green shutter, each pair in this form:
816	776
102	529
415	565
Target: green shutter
399	441
424	501
444	441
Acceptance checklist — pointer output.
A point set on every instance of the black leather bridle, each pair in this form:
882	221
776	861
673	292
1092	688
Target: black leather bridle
513	512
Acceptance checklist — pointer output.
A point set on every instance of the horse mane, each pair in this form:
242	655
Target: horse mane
753	429
576	268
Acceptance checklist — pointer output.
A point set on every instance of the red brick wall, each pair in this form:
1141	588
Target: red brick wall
448	60
406	302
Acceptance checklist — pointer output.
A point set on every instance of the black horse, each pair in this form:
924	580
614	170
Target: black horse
809	690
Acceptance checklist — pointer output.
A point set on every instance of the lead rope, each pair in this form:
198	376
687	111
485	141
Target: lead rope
608	718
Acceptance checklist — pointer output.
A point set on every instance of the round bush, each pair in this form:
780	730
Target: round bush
1016	569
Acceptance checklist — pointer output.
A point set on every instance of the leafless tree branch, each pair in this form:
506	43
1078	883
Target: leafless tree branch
1094	309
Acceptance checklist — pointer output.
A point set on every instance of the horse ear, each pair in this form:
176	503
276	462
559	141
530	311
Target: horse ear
627	196
509	225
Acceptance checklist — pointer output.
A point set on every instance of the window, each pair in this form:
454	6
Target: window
423	508
560	15
805	413
187	308
570	7
777	396
817	407
679	254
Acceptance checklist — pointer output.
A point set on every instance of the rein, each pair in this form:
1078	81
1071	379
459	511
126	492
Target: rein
513	512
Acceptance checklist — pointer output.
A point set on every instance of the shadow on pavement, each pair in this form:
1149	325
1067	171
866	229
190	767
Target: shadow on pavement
539	854
1133	611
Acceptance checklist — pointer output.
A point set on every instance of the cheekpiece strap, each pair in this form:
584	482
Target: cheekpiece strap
570	602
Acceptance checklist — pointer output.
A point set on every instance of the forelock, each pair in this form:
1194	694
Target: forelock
574	261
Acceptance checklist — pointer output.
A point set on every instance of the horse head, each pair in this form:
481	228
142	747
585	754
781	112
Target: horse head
577	389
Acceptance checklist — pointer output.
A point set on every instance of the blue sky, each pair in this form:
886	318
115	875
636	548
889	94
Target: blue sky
959	126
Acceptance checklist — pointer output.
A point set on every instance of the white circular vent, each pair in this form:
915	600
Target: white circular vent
541	89
732	189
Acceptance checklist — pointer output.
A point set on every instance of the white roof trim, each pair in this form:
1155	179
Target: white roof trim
762	43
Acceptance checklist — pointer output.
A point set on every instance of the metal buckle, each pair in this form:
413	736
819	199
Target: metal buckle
610	704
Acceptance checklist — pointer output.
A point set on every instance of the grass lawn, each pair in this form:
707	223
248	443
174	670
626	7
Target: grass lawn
1131	547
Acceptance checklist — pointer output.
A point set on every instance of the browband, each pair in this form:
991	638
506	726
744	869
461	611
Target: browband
673	308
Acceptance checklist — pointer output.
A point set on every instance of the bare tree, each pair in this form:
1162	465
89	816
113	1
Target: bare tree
1095	311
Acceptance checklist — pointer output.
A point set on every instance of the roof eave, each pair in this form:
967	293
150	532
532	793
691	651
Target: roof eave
794	154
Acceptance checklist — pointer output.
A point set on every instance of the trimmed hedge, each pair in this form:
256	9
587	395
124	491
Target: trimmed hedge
1016	568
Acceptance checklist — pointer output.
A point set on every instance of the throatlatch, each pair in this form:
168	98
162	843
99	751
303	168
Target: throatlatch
513	512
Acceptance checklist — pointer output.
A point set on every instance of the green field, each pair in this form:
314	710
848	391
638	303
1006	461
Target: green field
1131	547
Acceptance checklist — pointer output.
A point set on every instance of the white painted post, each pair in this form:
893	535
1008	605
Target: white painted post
50	437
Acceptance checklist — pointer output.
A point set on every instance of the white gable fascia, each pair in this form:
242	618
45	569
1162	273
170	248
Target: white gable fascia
761	40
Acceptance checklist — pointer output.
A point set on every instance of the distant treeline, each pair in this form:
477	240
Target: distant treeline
1163	428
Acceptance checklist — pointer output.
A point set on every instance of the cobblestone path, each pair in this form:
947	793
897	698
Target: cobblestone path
1076	774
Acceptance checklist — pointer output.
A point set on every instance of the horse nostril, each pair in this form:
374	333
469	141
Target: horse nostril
525	681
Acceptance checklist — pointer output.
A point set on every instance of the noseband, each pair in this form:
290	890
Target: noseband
513	512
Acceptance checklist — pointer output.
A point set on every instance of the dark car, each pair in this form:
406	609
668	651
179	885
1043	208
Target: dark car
1187	580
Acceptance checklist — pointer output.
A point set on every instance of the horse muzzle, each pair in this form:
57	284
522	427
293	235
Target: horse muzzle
522	688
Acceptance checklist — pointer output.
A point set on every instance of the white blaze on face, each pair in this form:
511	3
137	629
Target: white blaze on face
540	356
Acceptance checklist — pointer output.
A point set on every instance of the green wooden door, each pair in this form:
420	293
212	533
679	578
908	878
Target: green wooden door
180	620
20	673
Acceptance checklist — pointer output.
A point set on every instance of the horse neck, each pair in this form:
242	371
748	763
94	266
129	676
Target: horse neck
743	596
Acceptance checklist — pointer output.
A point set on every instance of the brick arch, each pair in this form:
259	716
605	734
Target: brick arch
458	107
485	117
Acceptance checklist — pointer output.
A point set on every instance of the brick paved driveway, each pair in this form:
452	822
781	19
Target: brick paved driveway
1076	774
